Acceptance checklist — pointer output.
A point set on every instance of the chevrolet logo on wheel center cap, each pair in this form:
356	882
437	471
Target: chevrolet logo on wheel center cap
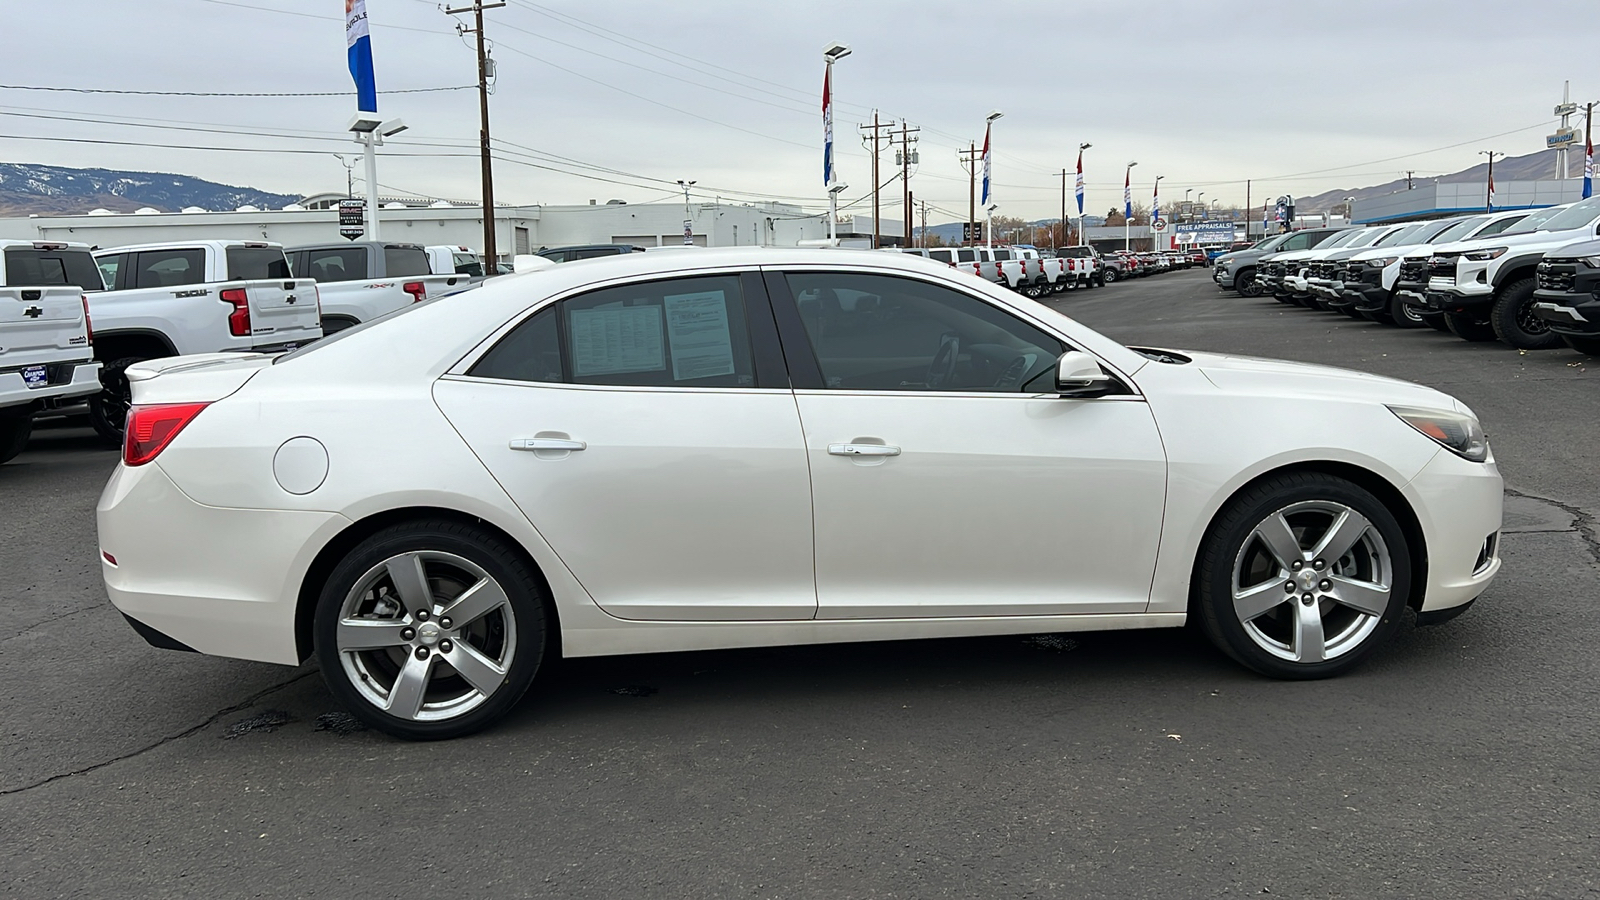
429	633
1308	578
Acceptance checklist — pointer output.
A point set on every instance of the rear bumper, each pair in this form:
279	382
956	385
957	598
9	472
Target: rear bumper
239	604
76	379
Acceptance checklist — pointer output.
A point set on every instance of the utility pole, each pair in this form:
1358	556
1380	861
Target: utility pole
688	217
907	138
1488	202
969	158
876	148
1248	212
485	68
1409	173
1063	207
924	224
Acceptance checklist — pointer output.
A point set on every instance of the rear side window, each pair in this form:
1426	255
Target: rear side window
943	256
27	266
966	256
685	332
171	268
109	266
256	263
404	262
335	264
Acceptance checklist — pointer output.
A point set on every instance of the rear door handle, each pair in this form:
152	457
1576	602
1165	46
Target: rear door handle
546	444
862	450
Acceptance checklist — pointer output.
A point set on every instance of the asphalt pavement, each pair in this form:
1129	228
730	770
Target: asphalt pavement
1459	762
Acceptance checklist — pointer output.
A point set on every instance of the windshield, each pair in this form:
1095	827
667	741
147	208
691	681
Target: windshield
1267	245
1399	236
1578	215
1535	220
1458	230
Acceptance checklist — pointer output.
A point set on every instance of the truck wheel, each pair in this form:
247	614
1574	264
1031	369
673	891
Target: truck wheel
1109	276
1404	314
1589	345
14	432
1245	283
1468	328
108	410
1514	321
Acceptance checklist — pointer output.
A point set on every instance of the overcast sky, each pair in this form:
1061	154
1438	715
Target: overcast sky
1301	96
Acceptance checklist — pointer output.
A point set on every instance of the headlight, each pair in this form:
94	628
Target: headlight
1382	262
1461	434
1592	262
1481	255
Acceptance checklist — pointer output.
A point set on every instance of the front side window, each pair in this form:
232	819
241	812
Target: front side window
109	265
685	332
335	264
171	268
884	333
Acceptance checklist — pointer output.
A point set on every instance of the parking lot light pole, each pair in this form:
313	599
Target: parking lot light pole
370	132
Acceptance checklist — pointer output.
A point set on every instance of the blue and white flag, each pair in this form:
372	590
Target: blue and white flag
1588	155
827	127
985	200
1127	195
1155	203
1079	189
358	41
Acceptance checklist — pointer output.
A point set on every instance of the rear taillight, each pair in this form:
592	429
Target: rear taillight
151	428
416	289
239	319
88	326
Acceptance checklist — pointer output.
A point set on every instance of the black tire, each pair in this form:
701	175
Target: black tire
1245	283
1468	328
1434	319
1231	542
480	547
1404	315
14	432
1513	319
1109	277
1589	345
108	410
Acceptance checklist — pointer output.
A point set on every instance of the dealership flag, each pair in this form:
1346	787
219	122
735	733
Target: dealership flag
1491	187
358	40
1127	195
1155	203
827	126
1079	189
986	165
1588	155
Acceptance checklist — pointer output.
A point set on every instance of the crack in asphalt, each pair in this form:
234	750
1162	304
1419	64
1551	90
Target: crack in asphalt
31	627
1585	525
210	720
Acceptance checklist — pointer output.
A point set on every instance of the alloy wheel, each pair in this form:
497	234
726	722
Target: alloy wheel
1312	581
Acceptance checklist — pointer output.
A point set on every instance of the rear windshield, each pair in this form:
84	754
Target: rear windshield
255	263
465	264
404	262
26	266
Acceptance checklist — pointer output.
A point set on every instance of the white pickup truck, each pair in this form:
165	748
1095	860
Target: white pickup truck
178	299
46	348
367	279
444	259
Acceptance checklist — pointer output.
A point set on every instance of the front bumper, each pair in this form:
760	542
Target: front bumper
1568	313
1458	503
68	381
220	581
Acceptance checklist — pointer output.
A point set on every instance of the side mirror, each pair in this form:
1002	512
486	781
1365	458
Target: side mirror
1079	375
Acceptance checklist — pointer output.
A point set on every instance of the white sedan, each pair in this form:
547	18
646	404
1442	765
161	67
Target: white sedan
750	447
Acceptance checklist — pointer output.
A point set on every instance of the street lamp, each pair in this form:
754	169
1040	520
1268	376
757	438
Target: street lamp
830	55
1127	207
370	132
1347	202
688	221
349	176
1083	239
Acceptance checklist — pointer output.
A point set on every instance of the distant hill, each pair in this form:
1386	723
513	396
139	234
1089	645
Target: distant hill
1537	166
27	188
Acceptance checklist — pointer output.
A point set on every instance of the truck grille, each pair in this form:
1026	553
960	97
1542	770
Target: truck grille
1350	272
1443	266
1414	271
1557	274
1275	270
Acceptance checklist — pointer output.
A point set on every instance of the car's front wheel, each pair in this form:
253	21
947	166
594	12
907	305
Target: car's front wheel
1245	283
1302	576
430	629
1109	277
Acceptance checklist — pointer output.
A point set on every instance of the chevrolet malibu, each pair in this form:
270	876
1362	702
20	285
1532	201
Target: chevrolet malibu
754	447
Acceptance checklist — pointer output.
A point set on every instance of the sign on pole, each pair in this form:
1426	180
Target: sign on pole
352	218
688	232
971	232
1564	137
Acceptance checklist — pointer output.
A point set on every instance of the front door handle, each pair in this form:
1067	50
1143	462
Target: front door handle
546	444
862	450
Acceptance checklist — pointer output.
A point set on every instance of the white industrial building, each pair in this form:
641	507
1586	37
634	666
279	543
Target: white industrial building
519	229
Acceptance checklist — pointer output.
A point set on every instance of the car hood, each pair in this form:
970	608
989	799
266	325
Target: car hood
1276	377
1514	240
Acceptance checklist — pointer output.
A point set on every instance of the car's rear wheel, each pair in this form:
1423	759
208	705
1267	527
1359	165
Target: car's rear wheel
1589	345
1514	321
1469	328
1302	576
14	433
430	629
108	410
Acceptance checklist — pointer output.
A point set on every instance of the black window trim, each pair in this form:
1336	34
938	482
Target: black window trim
766	349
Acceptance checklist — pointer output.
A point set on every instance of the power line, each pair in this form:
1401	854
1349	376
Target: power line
73	90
